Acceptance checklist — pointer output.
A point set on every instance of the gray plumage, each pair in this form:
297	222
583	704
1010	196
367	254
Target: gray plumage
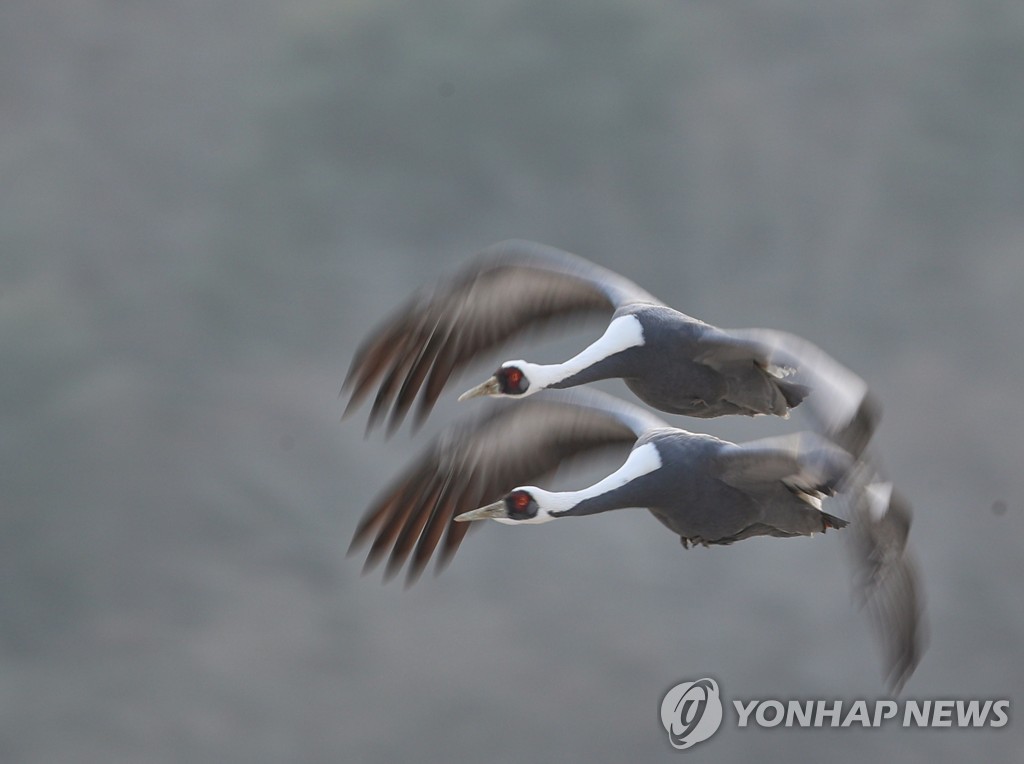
887	584
710	491
684	366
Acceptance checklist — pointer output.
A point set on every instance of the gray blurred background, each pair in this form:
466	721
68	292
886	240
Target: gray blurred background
206	205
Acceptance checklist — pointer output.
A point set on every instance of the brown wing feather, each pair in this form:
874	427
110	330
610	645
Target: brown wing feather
479	462
507	289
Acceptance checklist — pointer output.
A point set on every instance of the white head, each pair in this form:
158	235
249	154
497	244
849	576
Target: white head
513	379
526	505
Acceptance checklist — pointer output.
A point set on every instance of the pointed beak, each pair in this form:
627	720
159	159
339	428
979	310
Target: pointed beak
492	511
490	387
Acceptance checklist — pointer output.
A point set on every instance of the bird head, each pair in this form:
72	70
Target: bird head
526	505
512	379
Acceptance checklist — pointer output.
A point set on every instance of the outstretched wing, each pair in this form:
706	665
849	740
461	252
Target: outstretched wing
886	579
506	289
839	401
479	461
888	583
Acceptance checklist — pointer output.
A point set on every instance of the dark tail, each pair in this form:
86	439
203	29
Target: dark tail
792	392
831	521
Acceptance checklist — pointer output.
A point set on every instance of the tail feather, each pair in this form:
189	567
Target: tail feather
831	521
793	393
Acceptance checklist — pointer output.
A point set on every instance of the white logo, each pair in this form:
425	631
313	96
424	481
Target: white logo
691	712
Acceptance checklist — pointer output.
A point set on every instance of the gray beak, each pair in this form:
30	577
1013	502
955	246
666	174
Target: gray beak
497	509
490	387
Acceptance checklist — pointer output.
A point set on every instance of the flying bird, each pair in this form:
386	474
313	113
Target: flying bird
706	490
671	361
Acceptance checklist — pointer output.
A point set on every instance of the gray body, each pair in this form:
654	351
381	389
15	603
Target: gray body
675	370
701	494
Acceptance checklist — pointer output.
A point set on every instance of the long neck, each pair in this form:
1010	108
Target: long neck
611	493
592	363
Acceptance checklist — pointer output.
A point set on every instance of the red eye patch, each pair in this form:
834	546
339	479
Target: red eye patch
520	500
514	376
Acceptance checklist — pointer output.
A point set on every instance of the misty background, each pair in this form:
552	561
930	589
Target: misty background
205	206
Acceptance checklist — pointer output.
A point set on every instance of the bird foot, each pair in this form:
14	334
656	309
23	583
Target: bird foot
687	542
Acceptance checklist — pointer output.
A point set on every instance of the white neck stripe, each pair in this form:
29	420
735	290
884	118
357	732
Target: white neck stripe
623	333
642	461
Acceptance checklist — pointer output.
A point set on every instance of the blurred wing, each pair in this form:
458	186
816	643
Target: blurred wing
887	578
479	461
507	289
804	460
839	402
